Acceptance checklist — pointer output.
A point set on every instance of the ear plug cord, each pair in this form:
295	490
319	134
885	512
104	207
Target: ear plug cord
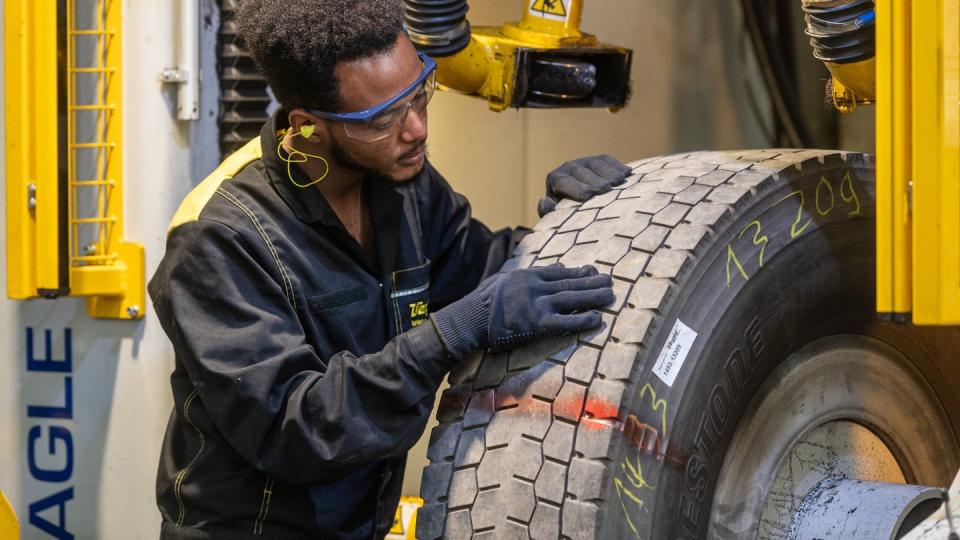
297	156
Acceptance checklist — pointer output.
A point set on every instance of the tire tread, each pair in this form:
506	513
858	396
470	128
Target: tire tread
645	233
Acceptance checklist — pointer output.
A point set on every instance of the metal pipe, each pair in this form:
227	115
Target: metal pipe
188	94
186	73
848	508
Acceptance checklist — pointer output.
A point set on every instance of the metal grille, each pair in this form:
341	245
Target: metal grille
243	90
93	130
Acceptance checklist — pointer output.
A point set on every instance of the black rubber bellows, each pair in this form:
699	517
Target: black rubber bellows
841	31
437	27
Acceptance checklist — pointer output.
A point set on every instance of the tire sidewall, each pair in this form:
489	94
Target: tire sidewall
814	230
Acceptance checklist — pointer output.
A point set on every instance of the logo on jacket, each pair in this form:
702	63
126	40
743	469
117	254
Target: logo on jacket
418	313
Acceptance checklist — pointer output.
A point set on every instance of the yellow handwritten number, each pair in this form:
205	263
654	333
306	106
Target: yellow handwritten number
731	256
656	405
621	491
825	203
825	183
634	471
794	230
759	239
849	194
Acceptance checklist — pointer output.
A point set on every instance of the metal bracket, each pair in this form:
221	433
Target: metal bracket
31	196
173	75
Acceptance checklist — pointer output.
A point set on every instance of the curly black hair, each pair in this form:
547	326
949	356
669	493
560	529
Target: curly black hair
297	44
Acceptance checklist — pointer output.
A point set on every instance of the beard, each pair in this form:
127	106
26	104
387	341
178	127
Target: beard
343	158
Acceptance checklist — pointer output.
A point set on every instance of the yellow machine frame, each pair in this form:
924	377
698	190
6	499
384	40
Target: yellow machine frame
918	160
44	146
9	525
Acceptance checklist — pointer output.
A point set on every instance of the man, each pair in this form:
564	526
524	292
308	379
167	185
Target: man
298	280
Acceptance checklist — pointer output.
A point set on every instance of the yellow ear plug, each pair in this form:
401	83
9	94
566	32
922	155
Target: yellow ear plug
296	156
307	130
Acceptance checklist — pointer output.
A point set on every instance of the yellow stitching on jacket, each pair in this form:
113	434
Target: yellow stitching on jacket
287	283
396	305
191	206
178	483
264	506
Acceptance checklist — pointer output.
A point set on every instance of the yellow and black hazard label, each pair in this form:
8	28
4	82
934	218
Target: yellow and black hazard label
397	523
405	520
549	9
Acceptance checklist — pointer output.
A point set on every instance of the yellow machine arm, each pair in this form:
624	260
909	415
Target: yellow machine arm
541	61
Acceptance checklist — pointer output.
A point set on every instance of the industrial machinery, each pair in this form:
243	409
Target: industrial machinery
543	60
781	361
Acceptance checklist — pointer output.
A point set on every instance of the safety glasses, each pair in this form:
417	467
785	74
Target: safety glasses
383	120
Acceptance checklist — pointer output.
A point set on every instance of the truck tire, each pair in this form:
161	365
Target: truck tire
744	334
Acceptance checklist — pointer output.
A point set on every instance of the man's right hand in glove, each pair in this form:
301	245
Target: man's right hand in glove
515	307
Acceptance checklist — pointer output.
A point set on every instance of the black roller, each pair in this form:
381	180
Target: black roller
438	27
562	79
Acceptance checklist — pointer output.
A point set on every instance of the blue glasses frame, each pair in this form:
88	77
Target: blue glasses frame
364	116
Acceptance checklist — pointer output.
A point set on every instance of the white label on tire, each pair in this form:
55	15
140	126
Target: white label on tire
674	352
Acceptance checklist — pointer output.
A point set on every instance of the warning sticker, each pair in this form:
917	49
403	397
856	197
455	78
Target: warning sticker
674	352
550	9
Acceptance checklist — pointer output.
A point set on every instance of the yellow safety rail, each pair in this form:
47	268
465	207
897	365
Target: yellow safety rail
894	159
65	157
936	162
918	160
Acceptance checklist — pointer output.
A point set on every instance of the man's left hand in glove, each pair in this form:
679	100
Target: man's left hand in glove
581	179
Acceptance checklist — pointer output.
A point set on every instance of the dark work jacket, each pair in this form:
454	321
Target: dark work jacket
304	370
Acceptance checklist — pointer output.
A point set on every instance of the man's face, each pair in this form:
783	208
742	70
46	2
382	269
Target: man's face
365	83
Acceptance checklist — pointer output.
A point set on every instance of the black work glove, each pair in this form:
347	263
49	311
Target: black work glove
515	307
581	179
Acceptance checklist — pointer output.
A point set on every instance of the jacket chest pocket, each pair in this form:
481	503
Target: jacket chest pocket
323	302
410	296
345	319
